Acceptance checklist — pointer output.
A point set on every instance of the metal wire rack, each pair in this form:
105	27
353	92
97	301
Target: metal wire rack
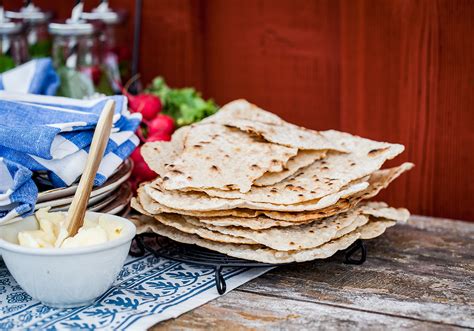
192	254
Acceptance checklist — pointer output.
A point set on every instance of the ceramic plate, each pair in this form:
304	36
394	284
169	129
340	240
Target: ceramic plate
67	201
108	199
121	202
122	174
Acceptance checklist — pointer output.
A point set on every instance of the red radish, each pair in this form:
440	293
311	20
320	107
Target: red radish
161	124
134	183
159	136
147	104
136	156
141	171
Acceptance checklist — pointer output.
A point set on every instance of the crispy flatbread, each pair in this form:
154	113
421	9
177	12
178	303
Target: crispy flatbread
375	228
159	154
197	201
243	110
178	222
136	204
254	120
303	159
215	156
323	177
307	235
296	237
248	252
260	222
382	210
378	180
248	184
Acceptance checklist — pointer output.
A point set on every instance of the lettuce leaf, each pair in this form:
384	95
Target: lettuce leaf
185	105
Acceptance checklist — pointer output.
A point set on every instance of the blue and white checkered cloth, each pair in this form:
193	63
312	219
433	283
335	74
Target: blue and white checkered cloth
18	192
53	135
36	76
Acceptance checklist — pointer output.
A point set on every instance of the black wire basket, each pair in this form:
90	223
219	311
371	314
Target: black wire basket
163	247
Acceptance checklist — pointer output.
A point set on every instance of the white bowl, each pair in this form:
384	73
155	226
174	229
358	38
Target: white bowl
65	277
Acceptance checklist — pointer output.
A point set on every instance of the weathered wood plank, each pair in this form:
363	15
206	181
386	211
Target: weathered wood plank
415	271
418	275
247	311
462	228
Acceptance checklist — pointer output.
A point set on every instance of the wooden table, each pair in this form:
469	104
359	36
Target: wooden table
419	275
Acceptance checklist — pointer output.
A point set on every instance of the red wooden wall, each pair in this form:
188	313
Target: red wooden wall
395	70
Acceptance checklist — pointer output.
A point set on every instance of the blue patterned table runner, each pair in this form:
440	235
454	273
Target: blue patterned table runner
147	291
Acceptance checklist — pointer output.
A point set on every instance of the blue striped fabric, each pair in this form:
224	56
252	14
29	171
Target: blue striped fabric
36	76
53	135
18	192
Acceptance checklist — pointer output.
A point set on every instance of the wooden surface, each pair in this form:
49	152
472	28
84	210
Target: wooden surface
395	70
417	276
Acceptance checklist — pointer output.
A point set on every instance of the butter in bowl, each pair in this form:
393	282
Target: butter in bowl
66	273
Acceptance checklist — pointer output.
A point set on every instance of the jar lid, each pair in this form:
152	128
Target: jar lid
30	13
10	27
73	26
70	28
103	13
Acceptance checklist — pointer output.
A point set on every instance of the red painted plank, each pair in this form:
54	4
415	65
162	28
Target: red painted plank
282	55
395	70
405	74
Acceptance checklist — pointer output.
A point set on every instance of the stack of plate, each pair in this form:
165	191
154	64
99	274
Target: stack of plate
113	197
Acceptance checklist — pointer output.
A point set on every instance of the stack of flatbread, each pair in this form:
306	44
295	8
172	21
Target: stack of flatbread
245	183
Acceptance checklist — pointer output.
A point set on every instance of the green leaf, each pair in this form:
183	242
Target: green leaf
104	86
185	105
40	49
6	63
74	84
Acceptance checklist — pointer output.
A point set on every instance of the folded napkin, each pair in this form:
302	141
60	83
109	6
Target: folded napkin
53	135
50	122
18	192
36	76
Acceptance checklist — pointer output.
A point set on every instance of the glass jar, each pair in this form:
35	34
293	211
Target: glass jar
77	58
75	45
36	24
13	47
115	55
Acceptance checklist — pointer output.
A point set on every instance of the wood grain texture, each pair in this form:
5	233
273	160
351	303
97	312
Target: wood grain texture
391	70
417	276
281	55
248	311
395	70
405	77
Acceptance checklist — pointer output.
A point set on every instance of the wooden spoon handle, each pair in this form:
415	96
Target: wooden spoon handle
77	210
